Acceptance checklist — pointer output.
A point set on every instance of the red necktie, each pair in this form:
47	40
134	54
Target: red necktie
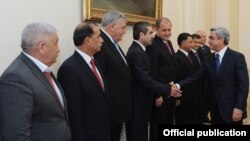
169	49
92	62
48	76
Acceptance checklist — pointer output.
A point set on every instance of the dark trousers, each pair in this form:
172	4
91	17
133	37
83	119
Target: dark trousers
138	130
160	116
184	114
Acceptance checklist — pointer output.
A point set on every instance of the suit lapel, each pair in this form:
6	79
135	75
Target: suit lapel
185	59
163	46
86	69
113	48
212	63
39	74
138	47
224	61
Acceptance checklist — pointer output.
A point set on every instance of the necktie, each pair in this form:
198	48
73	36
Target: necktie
169	49
92	62
217	59
204	49
197	56
120	52
59	101
190	59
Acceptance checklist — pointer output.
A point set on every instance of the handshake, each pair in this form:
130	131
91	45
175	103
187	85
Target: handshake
175	92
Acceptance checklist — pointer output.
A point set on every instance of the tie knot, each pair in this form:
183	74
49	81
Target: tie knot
217	56
46	73
166	43
92	62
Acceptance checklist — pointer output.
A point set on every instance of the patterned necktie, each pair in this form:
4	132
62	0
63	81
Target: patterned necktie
217	59
50	79
92	62
204	49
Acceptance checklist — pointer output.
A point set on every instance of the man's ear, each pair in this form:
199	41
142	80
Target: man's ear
41	47
86	40
142	34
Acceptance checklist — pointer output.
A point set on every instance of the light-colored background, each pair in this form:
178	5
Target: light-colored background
186	16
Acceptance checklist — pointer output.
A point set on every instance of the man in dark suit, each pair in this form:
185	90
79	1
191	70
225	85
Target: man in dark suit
204	52
227	70
83	83
199	85
164	66
204	49
116	71
32	105
143	84
185	110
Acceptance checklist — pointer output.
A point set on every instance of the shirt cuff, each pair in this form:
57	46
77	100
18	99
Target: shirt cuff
178	86
238	110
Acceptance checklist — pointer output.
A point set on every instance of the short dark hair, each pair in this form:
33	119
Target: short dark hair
138	28
196	36
182	37
83	30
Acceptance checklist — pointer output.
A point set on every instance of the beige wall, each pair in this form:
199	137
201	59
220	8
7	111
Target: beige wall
186	15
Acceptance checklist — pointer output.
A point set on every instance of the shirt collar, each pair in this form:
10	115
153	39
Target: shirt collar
86	57
194	51
142	46
107	35
222	52
39	64
186	53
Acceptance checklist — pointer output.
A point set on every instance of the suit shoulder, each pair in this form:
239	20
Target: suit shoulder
133	50
236	53
69	61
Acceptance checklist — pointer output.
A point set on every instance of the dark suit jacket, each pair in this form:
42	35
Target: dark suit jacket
195	61
186	68
28	105
118	77
230	87
87	103
164	64
143	83
203	52
164	68
185	111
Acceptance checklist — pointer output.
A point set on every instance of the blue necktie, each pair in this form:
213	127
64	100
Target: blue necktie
217	59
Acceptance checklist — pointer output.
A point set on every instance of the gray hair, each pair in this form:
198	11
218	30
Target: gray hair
222	32
112	17
33	33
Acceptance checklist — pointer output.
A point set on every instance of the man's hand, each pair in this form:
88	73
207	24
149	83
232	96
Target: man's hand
175	92
158	102
237	115
177	103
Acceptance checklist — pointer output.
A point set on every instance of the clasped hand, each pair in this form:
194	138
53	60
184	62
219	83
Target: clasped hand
175	92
